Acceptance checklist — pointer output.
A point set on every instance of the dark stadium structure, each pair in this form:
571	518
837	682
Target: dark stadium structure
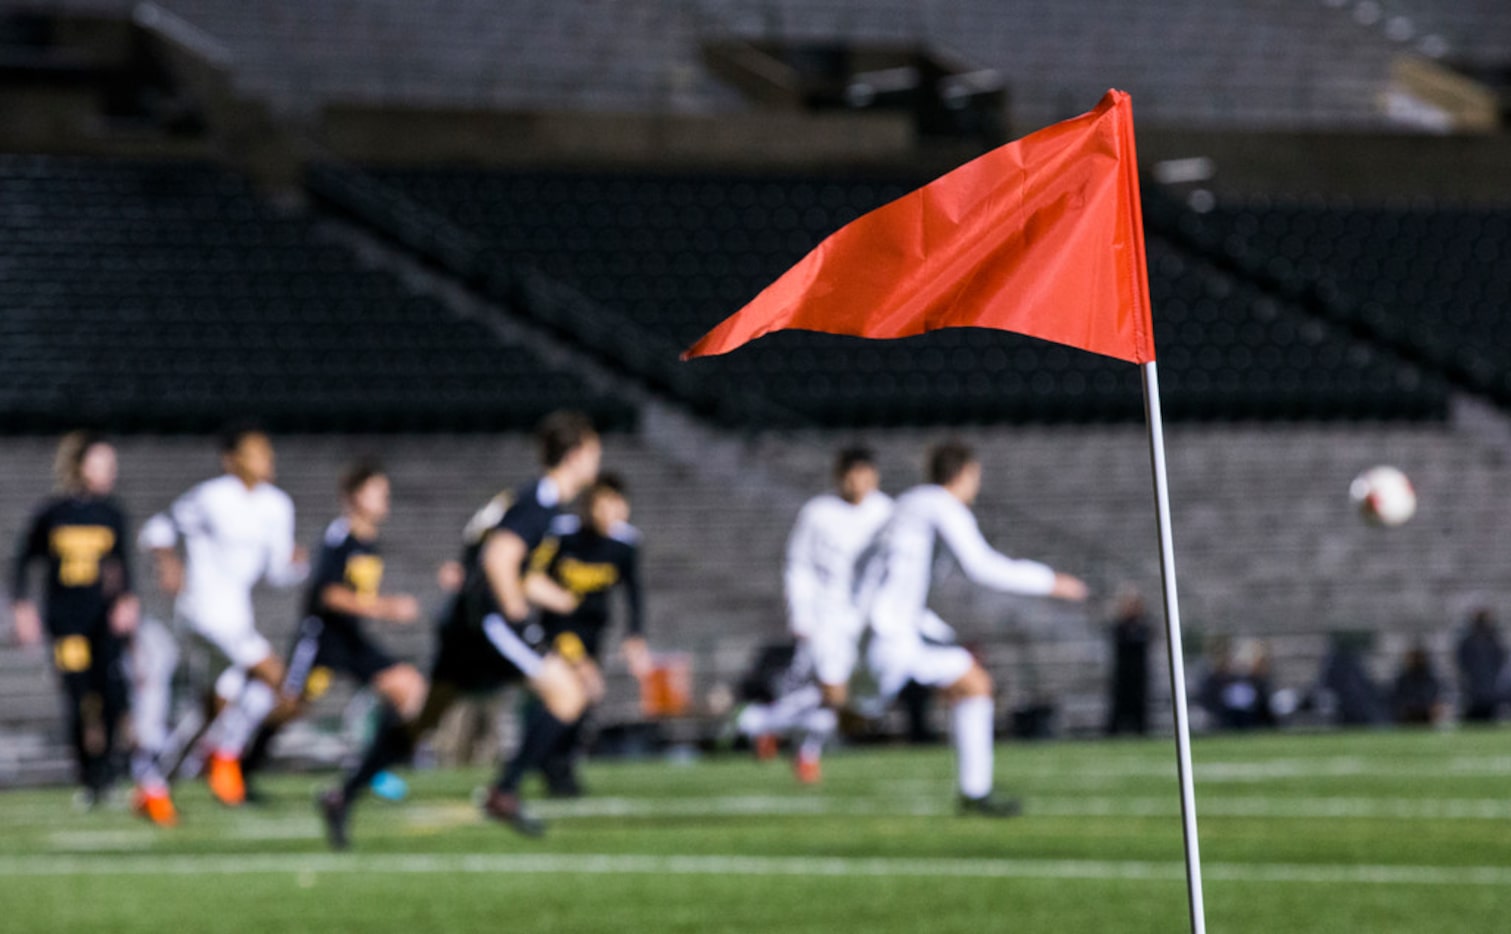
163	296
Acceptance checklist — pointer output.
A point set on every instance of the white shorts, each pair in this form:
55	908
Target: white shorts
237	639
830	656
896	660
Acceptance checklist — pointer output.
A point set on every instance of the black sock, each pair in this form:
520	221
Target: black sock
557	765
391	743
256	755
542	733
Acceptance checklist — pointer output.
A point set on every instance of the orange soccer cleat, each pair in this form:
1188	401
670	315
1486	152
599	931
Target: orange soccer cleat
807	769
155	805
223	775
766	746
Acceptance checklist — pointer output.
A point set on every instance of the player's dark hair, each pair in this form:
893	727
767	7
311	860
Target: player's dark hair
561	433
236	432
852	457
356	475
68	463
947	459
608	482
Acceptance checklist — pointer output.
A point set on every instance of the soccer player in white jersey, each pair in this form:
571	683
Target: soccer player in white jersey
895	583
832	531
236	530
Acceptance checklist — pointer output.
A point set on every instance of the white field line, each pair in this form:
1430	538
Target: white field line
433	818
1041	805
306	867
1211	772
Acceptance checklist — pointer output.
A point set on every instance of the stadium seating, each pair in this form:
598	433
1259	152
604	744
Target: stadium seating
1188	62
649	262
171	296
1429	281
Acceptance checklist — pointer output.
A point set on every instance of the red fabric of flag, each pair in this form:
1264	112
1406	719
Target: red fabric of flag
1042	236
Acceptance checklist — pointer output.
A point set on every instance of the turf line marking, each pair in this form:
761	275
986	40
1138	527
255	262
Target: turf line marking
1220	772
432	818
830	867
931	805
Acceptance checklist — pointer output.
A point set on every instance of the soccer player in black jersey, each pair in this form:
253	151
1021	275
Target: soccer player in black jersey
591	556
90	608
345	589
480	647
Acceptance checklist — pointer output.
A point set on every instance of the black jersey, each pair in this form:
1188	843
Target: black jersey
349	561
328	640
591	566
529	515
83	540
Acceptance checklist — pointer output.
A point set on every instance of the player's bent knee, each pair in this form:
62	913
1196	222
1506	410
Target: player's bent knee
560	689
403	687
974	683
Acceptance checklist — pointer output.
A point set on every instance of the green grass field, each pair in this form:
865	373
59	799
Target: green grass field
1354	832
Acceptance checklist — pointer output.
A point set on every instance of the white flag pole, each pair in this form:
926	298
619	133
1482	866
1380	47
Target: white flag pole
1173	646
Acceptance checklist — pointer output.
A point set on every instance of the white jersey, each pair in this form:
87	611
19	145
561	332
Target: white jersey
898	571
233	537
822	552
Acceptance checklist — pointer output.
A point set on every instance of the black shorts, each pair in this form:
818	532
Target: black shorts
484	656
588	632
320	649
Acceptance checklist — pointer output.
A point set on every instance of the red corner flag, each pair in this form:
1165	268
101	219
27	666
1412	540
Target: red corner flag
1042	236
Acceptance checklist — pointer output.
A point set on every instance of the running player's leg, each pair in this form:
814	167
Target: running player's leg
72	658
833	654
558	766
402	721
563	696
794	695
311	660
113	683
237	722
968	689
153	658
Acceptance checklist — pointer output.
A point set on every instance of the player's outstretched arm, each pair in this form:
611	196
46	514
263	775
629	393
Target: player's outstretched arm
542	591
637	655
1069	587
982	563
392	608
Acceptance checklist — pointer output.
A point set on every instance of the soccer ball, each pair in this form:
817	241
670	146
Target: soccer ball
1384	496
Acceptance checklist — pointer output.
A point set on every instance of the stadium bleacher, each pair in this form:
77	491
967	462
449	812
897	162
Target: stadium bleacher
1429	280
1256	64
172	296
663	258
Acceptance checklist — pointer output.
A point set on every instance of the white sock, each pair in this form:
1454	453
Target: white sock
145	771
239	720
818	726
752	720
790	711
971	726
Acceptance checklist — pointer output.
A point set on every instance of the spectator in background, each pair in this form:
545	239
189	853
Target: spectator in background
1128	709
1347	689
1418	695
1481	659
1237	691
